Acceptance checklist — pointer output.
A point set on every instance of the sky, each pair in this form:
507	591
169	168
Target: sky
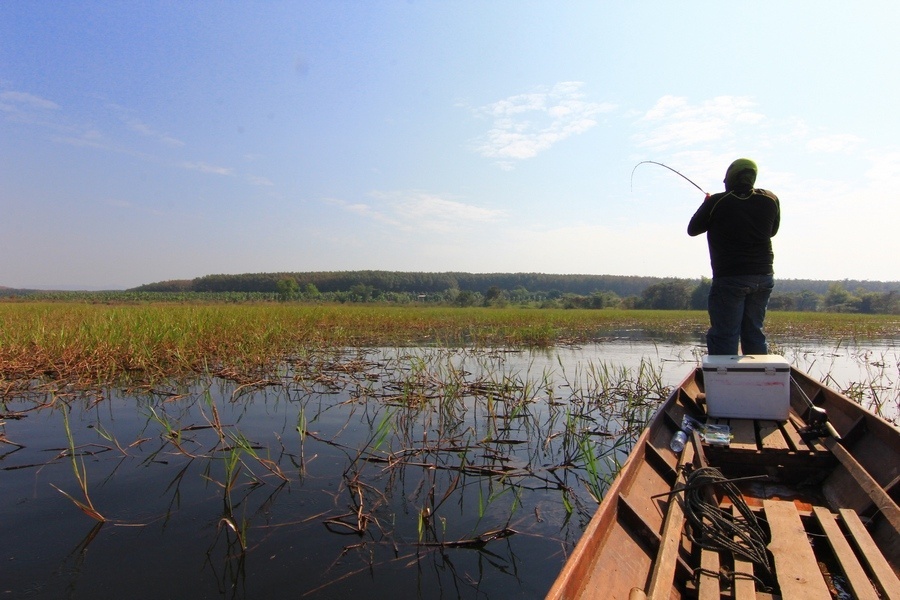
149	141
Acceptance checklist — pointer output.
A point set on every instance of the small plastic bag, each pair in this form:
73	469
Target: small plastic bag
717	434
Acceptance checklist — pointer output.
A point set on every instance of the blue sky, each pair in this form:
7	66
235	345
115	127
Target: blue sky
168	140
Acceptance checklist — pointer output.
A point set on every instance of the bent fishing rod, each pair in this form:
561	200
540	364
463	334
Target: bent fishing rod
653	162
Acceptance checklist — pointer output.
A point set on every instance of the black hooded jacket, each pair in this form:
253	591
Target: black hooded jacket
739	225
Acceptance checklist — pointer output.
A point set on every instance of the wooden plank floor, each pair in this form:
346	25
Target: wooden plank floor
709	576
758	436
856	575
744	584
883	573
761	435
744	434
796	567
797	571
771	437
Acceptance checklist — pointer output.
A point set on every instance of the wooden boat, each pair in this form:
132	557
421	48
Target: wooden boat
825	507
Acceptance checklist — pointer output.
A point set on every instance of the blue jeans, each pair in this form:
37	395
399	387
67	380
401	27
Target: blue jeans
737	309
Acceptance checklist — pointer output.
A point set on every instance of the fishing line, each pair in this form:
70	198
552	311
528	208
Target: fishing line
653	162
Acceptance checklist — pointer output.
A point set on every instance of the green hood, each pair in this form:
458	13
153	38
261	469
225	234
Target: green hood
741	175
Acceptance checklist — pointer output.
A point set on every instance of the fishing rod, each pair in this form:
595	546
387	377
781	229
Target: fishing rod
653	162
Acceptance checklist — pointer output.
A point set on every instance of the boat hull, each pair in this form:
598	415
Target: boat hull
799	480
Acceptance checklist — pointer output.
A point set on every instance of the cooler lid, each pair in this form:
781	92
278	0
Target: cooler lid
745	362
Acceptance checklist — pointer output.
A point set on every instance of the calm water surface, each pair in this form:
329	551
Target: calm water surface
383	473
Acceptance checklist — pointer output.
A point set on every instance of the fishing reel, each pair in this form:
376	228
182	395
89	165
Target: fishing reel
817	425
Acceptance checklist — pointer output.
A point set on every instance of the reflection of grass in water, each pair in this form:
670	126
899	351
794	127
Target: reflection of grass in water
453	438
508	418
626	398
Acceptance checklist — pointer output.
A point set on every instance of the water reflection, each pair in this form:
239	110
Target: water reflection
411	472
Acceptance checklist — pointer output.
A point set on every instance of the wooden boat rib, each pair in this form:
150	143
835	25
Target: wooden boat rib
828	507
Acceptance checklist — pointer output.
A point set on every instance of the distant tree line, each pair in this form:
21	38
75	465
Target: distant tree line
529	289
411	282
681	294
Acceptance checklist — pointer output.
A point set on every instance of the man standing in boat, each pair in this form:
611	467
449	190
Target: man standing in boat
739	224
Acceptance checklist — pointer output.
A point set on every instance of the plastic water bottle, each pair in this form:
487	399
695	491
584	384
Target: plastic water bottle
678	441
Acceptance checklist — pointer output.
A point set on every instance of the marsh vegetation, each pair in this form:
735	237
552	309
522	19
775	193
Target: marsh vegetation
245	451
83	344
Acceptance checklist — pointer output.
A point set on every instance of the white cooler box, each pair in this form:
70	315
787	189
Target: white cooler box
754	386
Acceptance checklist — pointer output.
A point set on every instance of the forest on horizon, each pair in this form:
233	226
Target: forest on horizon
536	289
432	282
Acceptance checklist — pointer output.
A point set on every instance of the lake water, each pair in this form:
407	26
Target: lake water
380	473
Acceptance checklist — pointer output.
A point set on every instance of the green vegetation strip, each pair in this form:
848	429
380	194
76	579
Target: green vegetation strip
98	344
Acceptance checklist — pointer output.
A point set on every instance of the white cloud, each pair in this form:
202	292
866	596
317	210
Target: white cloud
147	131
363	210
11	101
138	126
89	138
415	210
834	143
207	168
885	172
525	125
28	108
674	123
260	181
424	207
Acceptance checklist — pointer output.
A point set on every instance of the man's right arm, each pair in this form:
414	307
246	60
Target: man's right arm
700	221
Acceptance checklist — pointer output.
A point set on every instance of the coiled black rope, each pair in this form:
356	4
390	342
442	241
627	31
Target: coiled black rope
714	529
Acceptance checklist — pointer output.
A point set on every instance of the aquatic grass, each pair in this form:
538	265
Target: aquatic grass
384	429
109	437
512	452
439	450
590	459
233	465
85	504
879	389
240	442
